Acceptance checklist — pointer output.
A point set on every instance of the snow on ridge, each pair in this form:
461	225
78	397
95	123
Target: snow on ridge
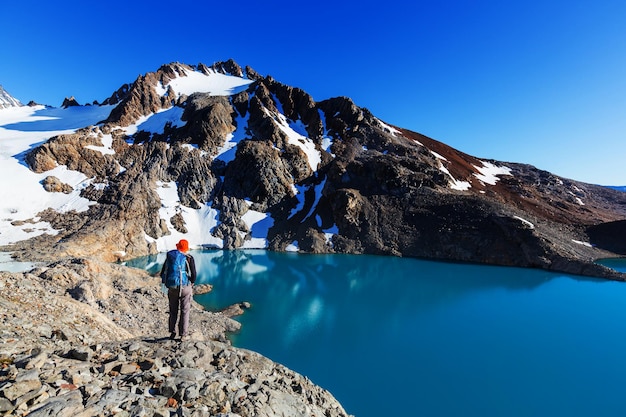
526	222
214	83
438	156
296	135
155	122
489	172
453	182
392	130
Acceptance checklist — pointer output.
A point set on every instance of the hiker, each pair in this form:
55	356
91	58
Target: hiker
179	274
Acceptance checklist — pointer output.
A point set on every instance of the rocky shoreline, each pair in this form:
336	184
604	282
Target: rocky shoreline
82	337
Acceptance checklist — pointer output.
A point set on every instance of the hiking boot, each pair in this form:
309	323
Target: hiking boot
172	336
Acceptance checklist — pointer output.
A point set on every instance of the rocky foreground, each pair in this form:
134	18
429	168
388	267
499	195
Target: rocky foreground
82	337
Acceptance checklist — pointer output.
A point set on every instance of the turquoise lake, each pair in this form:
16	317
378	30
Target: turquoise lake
396	336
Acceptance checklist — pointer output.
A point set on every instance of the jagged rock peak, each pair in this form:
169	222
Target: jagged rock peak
69	102
170	85
7	100
229	67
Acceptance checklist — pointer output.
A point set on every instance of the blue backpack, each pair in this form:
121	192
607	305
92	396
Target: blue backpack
176	271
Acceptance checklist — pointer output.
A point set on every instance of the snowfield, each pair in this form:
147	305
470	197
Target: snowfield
22	195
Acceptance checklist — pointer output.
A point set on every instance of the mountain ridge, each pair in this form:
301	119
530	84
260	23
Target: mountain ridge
7	100
278	170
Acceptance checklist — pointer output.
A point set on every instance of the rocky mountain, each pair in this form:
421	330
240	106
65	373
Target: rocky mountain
229	158
7	100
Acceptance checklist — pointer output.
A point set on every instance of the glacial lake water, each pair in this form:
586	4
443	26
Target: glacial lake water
392	336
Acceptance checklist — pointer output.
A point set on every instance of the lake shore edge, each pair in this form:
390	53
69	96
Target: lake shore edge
84	337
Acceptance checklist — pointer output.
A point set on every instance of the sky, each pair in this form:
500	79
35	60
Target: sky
539	82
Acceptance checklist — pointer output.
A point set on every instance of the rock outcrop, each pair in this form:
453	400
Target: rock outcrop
82	338
329	174
69	102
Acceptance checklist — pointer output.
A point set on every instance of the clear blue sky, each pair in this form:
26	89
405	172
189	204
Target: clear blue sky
535	81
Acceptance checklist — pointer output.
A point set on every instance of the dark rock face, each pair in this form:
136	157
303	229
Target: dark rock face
609	236
316	167
209	120
69	102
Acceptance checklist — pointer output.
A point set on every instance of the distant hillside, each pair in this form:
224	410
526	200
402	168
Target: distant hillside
619	188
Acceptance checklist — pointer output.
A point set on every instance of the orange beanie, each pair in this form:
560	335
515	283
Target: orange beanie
183	245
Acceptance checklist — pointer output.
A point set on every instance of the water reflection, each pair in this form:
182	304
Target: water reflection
456	339
338	293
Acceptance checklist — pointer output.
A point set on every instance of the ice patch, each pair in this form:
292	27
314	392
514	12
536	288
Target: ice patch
292	247
299	193
489	172
329	233
526	222
453	182
259	224
215	84
388	128
314	157
155	123
107	146
228	150
436	155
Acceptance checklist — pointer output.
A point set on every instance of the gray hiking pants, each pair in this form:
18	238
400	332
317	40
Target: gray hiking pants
180	300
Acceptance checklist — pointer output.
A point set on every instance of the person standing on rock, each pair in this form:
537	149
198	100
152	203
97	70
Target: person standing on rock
179	274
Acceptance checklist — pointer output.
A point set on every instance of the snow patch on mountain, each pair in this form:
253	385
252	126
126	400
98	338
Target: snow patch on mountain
453	182
22	195
228	150
107	146
214	83
296	135
156	122
259	224
327	140
392	130
488	172
199	222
